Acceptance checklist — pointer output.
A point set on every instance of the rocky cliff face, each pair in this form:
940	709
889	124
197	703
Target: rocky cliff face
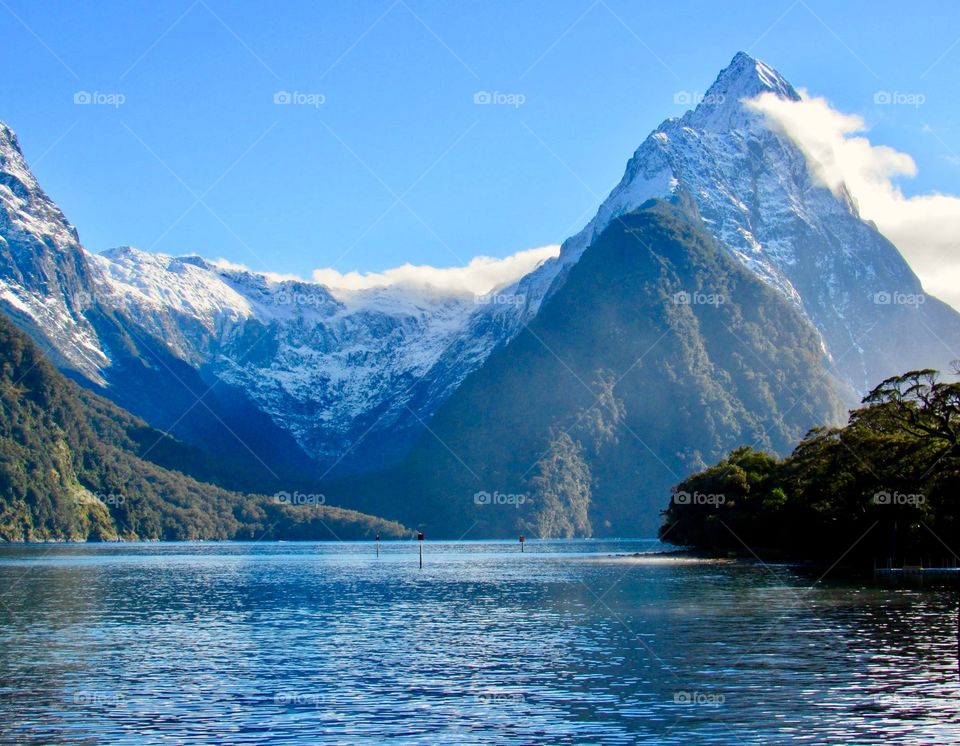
45	281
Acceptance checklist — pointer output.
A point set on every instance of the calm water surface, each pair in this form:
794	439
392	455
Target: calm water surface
326	643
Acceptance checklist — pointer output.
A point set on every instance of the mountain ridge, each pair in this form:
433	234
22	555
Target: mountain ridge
322	384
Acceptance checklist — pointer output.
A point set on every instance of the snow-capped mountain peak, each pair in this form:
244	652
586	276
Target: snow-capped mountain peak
763	201
721	108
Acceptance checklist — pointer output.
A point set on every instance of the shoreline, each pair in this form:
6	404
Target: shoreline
922	578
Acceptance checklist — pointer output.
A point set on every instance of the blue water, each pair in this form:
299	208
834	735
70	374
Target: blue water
306	643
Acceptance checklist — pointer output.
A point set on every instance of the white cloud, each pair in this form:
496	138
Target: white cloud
926	228
481	275
272	276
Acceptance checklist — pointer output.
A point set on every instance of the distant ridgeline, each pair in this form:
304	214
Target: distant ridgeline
884	488
75	467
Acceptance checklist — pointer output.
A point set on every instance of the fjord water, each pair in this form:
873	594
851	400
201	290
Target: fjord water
308	643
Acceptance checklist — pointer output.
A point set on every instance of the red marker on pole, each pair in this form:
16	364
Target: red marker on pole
420	541
522	539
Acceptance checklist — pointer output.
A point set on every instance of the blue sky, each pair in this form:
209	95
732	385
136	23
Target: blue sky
398	164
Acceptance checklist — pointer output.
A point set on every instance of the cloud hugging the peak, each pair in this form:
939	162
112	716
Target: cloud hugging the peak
926	228
481	275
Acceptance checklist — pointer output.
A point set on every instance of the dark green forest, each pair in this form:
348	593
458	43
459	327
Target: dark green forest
75	467
884	488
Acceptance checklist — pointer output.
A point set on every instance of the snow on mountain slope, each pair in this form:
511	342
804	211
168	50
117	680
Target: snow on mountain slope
762	200
42	284
725	156
350	372
333	366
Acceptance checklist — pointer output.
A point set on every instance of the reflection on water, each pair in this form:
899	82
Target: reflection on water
325	643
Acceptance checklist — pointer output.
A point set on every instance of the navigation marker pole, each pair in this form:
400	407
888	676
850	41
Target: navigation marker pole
378	545
522	539
420	542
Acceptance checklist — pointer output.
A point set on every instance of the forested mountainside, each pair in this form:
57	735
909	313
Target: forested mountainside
74	466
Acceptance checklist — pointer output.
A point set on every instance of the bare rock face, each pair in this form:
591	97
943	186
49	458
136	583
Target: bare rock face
45	282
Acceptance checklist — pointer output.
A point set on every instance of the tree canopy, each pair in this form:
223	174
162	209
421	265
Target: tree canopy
882	489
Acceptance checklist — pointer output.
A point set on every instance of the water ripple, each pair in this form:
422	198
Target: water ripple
324	643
